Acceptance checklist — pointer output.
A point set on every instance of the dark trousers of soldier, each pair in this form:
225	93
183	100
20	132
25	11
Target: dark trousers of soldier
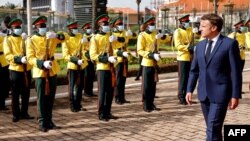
45	102
89	79
148	87
120	82
18	87
75	90
105	93
5	85
183	73
242	64
140	69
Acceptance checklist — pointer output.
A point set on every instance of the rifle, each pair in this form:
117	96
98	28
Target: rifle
25	65
46	71
125	60
155	50
112	69
79	66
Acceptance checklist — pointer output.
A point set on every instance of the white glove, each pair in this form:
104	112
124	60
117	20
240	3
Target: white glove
112	38
129	33
2	34
158	36
112	59
157	56
84	40
79	62
195	30
24	60
47	64
24	36
50	35
125	54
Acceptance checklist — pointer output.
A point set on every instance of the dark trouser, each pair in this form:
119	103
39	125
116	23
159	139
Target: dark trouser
148	87
4	84
242	64
183	73
75	90
120	82
140	68
45	102
105	91
89	78
19	87
214	115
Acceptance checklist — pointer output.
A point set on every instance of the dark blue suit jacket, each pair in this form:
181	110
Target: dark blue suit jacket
220	78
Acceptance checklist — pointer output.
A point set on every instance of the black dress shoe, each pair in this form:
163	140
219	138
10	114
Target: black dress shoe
110	116
15	119
43	129
125	101
183	102
102	118
137	79
26	116
118	102
51	125
147	110
155	108
156	96
89	95
4	108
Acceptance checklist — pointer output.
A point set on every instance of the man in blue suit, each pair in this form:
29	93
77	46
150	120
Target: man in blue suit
216	64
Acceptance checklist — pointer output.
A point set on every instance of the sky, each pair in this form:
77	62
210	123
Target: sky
111	3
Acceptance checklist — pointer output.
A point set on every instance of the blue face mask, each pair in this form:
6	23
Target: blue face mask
120	27
18	31
42	31
74	31
186	25
88	31
105	29
151	28
243	29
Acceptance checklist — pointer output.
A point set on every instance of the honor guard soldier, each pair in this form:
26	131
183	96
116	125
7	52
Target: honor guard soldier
121	52
40	53
102	53
147	47
89	75
73	53
239	35
183	42
20	70
4	67
247	24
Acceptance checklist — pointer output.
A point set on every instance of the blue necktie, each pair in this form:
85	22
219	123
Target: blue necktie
208	51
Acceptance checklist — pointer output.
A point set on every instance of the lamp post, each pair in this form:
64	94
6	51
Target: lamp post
228	7
138	12
51	19
21	13
165	17
176	16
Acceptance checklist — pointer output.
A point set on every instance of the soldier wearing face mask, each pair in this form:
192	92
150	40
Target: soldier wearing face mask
121	52
147	46
40	54
89	75
20	74
73	53
239	35
247	35
183	42
101	52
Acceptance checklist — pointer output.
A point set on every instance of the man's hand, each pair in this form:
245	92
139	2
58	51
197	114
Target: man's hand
157	56
24	60
24	36
50	35
112	38
189	98
112	59
234	102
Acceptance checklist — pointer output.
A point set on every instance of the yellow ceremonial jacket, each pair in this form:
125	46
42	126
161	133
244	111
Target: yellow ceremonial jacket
36	50
99	44
3	61
71	47
13	47
145	45
182	39
86	46
240	37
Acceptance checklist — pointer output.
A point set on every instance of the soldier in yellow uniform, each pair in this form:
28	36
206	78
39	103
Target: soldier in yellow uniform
147	47
183	42
239	35
102	53
4	67
247	35
20	74
121	52
40	54
73	53
89	75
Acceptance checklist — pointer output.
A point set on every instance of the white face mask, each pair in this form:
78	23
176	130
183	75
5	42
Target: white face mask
186	25
151	28
105	29
42	31
18	31
74	31
88	31
120	27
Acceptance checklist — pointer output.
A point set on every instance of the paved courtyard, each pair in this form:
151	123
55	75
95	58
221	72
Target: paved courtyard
173	123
